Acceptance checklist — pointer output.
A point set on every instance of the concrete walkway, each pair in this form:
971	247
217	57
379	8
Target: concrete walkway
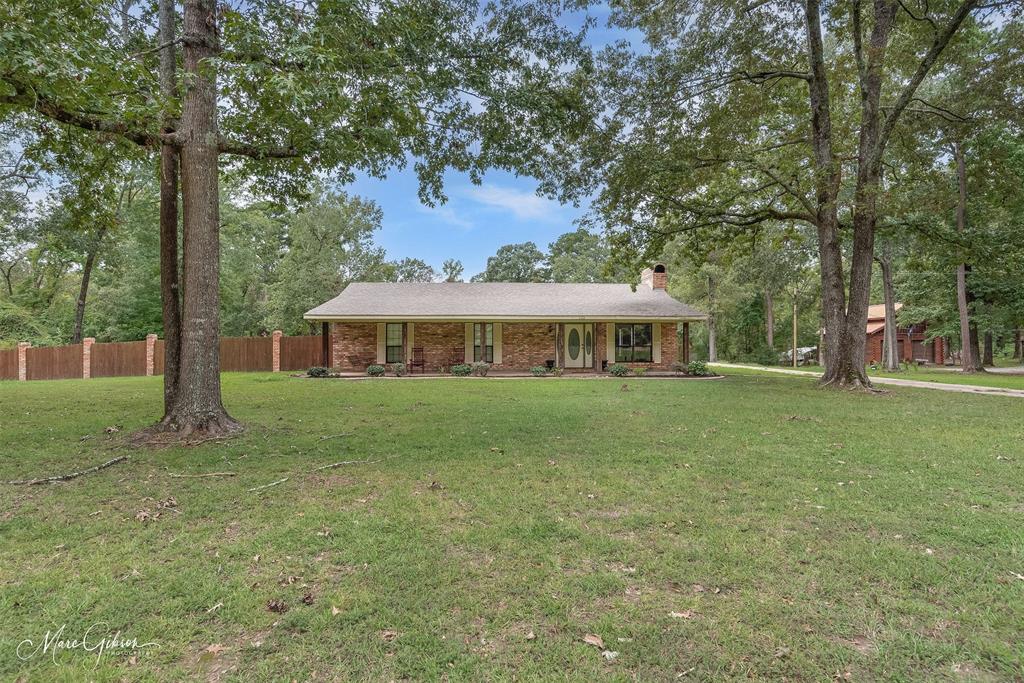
917	384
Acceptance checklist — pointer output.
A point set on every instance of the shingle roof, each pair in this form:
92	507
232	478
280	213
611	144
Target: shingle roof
877	311
501	300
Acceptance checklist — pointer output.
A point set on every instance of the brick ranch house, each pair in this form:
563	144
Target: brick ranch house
515	326
911	342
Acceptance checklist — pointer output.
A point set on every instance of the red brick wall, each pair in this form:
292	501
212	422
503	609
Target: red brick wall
439	341
354	346
525	345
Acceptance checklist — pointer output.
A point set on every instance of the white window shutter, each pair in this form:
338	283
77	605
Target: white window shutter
656	342
497	343
609	342
382	340
469	342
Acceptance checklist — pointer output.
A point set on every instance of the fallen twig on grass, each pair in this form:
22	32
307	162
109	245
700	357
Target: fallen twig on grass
343	462
267	486
70	475
205	474
335	436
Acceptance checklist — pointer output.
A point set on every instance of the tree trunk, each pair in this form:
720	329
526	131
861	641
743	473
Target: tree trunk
169	294
712	332
890	346
988	353
83	290
841	351
970	358
712	340
1018	345
198	409
769	319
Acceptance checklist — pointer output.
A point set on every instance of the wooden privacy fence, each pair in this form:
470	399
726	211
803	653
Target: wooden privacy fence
138	358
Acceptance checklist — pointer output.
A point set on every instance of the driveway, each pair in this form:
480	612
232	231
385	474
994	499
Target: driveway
958	388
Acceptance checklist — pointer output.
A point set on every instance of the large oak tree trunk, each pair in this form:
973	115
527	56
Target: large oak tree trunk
198	409
169	294
769	318
988	353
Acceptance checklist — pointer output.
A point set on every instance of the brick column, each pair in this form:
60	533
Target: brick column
150	354
87	357
276	336
686	344
23	361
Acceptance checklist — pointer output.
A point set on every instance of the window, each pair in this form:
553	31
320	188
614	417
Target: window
490	342
633	343
394	343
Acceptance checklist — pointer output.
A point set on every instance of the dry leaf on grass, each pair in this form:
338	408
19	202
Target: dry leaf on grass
593	639
214	649
531	636
307	599
609	654
335	611
278	606
388	635
685	614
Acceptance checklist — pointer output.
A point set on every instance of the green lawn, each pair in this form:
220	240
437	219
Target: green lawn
751	527
951	376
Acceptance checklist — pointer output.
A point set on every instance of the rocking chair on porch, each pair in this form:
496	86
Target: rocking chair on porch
417	361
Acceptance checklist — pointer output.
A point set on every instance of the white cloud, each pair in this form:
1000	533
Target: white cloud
445	214
521	203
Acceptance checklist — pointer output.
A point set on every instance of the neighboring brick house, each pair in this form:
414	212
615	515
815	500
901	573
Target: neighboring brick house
912	342
514	326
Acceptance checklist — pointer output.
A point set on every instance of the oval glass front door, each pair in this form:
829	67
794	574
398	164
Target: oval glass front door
574	343
588	345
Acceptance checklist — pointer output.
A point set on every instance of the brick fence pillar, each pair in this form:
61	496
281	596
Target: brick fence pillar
150	354
276	336
87	357
23	360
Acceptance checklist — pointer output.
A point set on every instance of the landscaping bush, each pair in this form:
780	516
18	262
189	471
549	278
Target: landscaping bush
639	372
375	371
538	371
557	372
462	370
397	369
618	370
318	372
480	368
698	368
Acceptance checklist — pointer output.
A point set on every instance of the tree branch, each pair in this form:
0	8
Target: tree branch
907	95
25	98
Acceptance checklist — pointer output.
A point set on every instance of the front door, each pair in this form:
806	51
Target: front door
579	345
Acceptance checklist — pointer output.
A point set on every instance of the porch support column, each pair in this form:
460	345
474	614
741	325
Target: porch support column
559	336
483	342
405	342
325	345
686	343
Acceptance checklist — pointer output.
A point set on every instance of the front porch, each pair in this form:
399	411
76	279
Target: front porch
511	346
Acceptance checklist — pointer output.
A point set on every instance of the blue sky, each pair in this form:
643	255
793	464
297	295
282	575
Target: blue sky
477	219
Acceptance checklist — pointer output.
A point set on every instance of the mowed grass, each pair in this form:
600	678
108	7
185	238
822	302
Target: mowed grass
752	527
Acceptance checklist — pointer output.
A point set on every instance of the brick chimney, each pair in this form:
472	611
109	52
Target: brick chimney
655	278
